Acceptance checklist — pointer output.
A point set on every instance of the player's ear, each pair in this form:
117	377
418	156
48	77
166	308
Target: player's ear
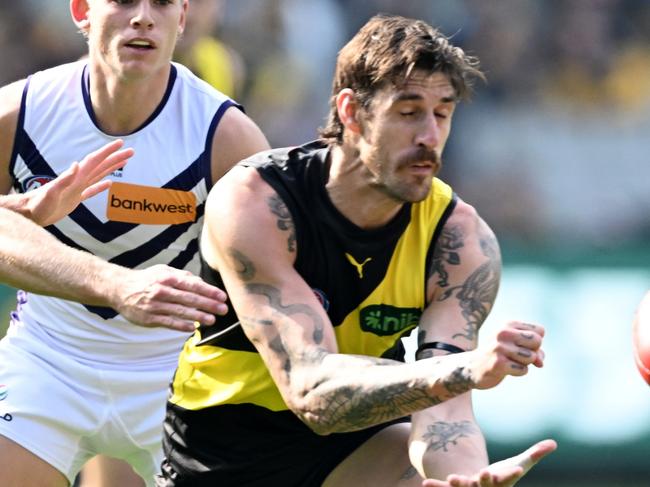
348	110
183	19
79	12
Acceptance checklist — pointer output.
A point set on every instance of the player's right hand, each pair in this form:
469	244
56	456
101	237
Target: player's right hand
510	351
505	473
59	197
167	297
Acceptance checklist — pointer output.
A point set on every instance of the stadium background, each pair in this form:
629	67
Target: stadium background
553	151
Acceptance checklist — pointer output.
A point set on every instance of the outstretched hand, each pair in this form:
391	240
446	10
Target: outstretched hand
505	473
167	297
57	198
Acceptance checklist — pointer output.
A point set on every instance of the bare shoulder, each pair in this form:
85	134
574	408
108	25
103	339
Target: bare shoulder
465	216
237	137
244	216
466	223
242	184
238	201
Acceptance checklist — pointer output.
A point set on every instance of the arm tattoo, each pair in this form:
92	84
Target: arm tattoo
445	251
273	295
285	222
278	347
441	434
354	407
477	294
360	406
243	265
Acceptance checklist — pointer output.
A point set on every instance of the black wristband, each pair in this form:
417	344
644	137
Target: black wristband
447	347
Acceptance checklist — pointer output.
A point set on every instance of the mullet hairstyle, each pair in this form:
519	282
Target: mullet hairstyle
387	50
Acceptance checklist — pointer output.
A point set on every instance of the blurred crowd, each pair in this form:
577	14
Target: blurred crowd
553	149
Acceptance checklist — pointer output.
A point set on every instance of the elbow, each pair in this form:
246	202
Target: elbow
316	418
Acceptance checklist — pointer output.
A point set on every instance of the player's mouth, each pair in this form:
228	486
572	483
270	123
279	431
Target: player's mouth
141	44
422	169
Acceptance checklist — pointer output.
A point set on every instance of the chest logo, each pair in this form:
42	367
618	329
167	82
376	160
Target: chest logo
358	267
35	182
383	319
133	203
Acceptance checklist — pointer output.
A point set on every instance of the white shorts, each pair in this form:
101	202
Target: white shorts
66	412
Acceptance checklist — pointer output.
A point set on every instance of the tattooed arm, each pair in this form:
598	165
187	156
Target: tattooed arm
462	286
250	238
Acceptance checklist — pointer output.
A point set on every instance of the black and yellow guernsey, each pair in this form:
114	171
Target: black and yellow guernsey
372	285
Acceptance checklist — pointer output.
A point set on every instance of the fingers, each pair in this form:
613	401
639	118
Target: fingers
105	160
521	345
95	189
194	284
184	312
171	322
434	483
504	473
102	168
194	293
103	152
539	362
535	453
506	476
178	295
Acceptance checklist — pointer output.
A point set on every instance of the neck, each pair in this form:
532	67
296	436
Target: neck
351	193
121	105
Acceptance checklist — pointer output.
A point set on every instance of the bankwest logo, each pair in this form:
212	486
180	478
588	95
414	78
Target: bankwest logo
132	203
383	320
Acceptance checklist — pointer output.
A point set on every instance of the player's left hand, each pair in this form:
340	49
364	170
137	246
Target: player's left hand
505	473
163	296
57	198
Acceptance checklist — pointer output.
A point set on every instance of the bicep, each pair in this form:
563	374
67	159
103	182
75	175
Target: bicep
254	251
463	280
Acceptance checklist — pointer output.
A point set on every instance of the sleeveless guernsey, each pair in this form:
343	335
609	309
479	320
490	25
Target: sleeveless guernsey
151	215
372	283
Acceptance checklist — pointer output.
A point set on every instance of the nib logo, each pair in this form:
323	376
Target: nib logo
384	320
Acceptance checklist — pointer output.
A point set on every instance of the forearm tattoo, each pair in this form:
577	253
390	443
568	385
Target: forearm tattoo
363	405
477	294
354	407
441	434
278	347
285	222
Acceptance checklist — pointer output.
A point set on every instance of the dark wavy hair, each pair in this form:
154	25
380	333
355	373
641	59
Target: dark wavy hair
386	50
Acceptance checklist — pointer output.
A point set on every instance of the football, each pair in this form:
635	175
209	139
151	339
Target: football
641	337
